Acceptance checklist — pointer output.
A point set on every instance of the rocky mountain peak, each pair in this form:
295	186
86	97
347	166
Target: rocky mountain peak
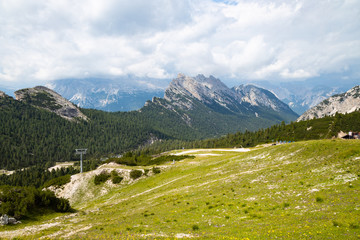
353	92
48	99
257	96
340	103
208	90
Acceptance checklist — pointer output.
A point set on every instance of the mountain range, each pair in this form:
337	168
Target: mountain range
130	92
122	94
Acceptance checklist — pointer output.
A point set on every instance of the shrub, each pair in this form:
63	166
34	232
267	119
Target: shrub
319	199
101	178
156	170
114	173
134	174
195	227
116	179
62	205
285	205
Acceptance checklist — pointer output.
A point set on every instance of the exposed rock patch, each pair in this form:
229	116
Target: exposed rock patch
2	94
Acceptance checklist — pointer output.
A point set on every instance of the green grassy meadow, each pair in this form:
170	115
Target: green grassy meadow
302	190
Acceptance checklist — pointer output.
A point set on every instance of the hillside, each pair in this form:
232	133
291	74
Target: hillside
303	190
33	136
318	128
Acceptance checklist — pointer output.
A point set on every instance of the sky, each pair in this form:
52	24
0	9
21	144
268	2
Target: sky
43	40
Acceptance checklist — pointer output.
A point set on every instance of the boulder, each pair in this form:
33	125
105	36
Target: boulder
4	220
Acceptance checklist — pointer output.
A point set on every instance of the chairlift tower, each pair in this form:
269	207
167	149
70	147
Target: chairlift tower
80	152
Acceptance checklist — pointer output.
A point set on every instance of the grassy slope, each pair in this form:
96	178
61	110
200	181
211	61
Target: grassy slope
304	190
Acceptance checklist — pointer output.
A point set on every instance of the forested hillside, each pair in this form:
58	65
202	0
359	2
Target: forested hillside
30	136
323	128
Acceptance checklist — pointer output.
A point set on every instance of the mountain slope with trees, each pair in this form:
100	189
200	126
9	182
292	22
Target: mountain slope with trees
32	133
322	128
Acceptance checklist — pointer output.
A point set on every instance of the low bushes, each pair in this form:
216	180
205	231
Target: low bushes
134	174
115	178
156	170
104	176
101	178
145	160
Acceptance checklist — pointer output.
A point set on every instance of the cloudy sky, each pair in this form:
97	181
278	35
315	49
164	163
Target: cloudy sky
42	40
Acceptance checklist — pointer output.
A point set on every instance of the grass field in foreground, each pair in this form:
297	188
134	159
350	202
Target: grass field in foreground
304	190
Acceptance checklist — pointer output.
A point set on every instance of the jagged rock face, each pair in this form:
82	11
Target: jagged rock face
209	91
341	103
260	97
49	100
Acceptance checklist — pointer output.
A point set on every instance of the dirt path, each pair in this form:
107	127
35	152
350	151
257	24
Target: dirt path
146	191
213	150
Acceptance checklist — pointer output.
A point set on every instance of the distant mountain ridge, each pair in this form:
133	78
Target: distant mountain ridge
340	103
108	94
303	95
129	93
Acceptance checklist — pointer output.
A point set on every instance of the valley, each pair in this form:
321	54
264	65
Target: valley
302	190
161	120
289	181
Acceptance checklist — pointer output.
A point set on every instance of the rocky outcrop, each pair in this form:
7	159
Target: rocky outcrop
341	103
48	99
2	94
5	220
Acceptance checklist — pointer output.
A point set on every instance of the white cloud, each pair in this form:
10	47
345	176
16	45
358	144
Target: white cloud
45	40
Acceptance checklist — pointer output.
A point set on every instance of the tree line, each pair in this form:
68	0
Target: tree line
322	128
